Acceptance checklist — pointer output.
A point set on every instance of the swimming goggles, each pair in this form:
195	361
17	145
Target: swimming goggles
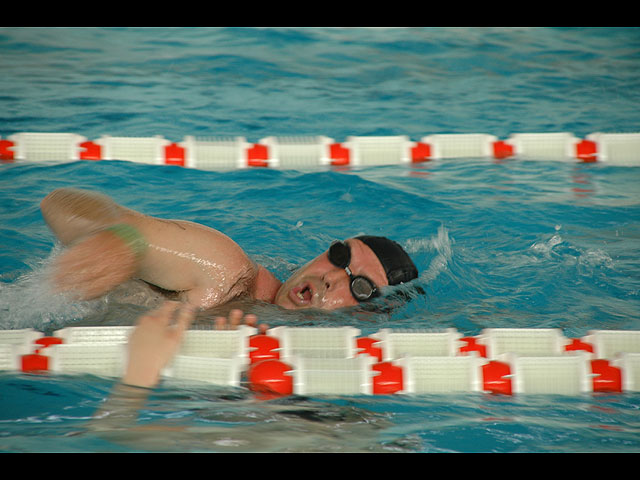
362	288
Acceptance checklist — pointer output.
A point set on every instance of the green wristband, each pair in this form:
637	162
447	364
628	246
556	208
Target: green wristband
131	236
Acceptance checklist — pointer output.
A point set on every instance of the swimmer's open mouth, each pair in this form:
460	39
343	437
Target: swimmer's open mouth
302	294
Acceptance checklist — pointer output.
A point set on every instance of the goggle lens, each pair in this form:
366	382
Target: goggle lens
362	288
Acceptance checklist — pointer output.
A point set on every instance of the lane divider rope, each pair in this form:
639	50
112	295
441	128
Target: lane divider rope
312	151
339	361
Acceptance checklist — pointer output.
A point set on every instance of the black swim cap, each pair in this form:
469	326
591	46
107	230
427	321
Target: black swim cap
396	263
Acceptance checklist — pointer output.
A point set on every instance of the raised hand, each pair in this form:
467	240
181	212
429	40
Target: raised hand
155	341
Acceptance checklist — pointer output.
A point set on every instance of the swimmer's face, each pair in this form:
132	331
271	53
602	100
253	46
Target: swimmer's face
320	284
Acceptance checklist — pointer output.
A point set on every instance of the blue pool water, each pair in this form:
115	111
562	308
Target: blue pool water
499	244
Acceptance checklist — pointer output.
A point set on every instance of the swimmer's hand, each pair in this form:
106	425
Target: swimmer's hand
236	318
93	266
155	341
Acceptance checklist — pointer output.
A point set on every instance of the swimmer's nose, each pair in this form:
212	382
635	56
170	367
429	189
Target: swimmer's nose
333	277
336	289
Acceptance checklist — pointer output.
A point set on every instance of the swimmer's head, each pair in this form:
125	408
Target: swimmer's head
347	274
398	266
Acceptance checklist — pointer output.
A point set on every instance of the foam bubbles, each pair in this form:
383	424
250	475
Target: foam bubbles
29	302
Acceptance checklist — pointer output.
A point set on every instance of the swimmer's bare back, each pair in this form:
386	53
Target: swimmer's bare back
206	267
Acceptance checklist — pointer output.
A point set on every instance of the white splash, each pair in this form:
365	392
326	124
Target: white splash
442	244
29	302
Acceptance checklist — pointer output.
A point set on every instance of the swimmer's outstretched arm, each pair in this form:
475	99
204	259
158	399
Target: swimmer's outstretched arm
158	335
154	342
109	244
152	345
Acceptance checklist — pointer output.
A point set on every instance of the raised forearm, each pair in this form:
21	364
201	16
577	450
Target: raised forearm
73	214
206	266
105	247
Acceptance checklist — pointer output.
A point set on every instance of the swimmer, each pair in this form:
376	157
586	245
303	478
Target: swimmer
107	244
